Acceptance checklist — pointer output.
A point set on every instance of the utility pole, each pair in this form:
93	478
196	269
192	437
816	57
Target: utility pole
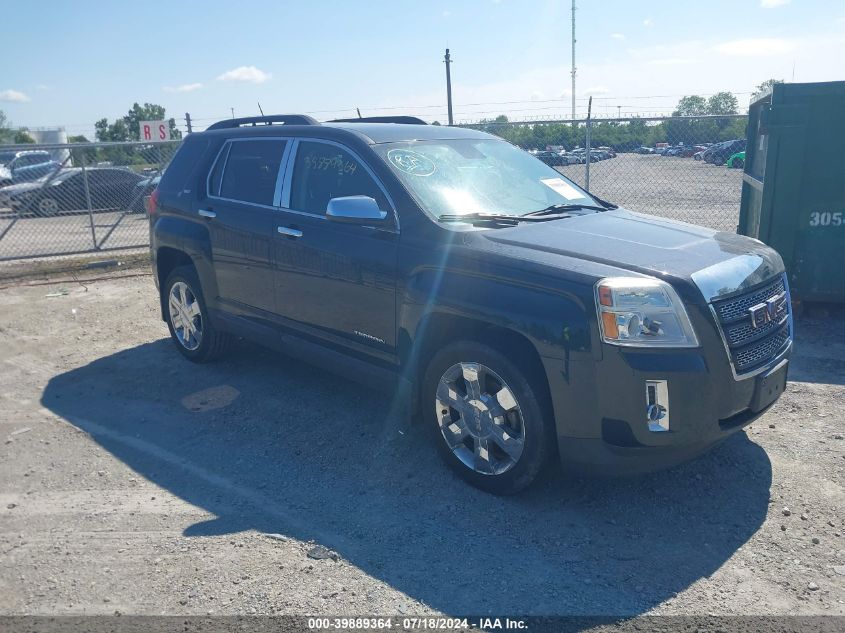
188	121
573	60
233	112
448	61
619	112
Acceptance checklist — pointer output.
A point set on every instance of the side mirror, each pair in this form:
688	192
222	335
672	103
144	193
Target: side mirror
356	210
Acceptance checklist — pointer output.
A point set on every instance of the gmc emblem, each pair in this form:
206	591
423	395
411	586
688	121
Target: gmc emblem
764	313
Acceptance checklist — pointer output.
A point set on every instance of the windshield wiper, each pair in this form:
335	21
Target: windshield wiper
496	218
555	209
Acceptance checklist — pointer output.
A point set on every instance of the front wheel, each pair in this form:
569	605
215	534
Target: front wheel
187	318
488	420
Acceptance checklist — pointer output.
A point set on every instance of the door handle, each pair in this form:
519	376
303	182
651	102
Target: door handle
207	213
283	230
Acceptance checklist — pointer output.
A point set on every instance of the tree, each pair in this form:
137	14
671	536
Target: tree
128	128
692	105
768	85
117	131
89	154
22	137
5	132
722	103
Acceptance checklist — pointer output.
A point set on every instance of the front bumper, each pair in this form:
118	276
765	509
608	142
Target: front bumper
601	408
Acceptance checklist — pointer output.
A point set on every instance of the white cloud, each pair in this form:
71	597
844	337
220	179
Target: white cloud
648	23
183	87
756	47
447	13
618	36
249	74
771	4
13	96
42	87
595	90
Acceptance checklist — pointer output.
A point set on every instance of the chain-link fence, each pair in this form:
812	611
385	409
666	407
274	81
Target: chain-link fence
76	198
685	168
81	198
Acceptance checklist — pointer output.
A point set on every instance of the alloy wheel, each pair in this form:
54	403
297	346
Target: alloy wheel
48	206
479	418
185	315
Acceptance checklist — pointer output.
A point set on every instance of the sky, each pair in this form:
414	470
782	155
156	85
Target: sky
70	63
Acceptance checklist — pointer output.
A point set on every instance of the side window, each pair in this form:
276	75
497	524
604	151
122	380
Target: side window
251	171
322	171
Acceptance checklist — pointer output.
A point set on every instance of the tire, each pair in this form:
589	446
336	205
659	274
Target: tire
696	157
516	417
47	207
198	341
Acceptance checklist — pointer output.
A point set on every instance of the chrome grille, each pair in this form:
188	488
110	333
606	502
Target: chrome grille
736	308
755	354
749	347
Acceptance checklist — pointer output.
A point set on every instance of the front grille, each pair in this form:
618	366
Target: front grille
734	309
752	347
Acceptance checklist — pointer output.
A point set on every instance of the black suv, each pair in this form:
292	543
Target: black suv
520	316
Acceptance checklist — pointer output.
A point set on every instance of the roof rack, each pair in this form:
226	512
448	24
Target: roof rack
284	119
411	120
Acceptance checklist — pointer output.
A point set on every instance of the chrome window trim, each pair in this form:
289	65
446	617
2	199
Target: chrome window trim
286	192
287	140
280	177
223	148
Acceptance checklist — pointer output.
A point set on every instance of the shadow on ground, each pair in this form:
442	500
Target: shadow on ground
266	443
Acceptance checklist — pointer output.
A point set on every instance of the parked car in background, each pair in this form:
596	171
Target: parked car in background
737	160
13	161
34	172
552	159
719	153
143	189
108	187
644	150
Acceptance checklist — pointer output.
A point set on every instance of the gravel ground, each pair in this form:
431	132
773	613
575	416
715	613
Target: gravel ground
71	233
671	187
132	481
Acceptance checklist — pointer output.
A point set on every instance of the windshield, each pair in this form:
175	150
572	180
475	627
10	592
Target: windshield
478	176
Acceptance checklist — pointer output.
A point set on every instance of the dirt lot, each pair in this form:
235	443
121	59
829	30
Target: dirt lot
133	481
71	233
668	186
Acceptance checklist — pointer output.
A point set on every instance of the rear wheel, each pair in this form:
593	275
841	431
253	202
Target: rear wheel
48	207
187	318
487	419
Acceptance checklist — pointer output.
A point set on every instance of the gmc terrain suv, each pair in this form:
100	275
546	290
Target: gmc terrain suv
522	317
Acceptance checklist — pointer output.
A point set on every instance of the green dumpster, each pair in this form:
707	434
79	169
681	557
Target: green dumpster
793	185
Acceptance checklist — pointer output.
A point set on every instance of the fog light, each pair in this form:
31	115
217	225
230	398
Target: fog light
657	405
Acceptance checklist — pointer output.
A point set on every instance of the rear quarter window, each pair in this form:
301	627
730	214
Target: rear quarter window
183	166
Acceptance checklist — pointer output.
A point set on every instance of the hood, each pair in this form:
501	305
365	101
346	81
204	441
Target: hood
718	263
23	187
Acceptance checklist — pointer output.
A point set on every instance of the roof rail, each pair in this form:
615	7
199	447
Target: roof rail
412	120
285	119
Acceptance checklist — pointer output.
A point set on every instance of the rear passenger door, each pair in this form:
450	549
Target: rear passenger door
239	209
335	281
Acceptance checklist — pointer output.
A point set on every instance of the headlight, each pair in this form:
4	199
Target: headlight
642	312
